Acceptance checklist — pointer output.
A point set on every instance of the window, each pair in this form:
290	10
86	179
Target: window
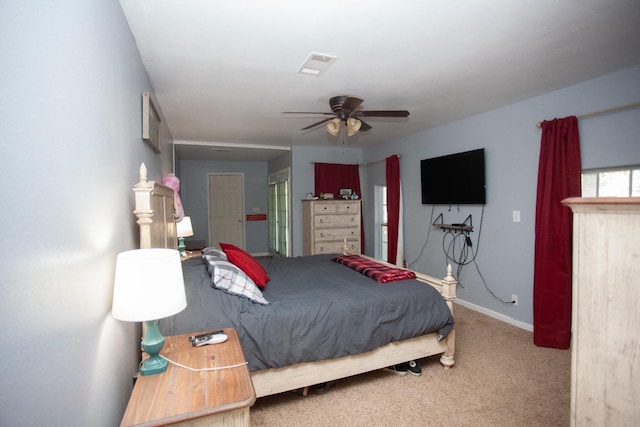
381	238
619	182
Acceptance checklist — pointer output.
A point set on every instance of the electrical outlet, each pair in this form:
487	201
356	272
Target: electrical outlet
514	299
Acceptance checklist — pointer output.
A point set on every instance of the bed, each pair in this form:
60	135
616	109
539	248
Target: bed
320	320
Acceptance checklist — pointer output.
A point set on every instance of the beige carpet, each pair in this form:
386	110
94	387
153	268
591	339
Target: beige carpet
500	379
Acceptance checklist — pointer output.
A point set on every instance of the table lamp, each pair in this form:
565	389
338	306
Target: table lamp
184	229
149	286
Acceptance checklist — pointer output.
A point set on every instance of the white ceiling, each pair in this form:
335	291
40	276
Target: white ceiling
223	72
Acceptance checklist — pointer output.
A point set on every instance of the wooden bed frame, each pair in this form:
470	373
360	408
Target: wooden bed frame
154	209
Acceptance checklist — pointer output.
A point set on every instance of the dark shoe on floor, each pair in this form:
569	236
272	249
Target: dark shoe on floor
414	368
323	387
402	369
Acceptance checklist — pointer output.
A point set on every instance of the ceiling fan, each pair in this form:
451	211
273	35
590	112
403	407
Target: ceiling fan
345	110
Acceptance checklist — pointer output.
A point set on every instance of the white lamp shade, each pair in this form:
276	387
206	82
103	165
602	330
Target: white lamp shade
333	126
148	285
353	126
184	228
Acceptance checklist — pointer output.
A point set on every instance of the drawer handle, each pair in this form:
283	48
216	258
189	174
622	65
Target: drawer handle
324	207
353	219
352	233
321	220
321	234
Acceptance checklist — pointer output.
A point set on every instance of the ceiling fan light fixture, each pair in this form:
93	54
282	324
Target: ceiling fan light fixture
342	109
353	126
333	126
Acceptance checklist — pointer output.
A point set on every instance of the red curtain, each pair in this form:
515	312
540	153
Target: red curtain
393	206
559	175
331	177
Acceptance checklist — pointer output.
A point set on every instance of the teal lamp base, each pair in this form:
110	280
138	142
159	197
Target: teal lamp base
152	345
181	246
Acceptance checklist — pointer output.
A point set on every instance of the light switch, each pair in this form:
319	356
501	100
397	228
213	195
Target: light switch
516	216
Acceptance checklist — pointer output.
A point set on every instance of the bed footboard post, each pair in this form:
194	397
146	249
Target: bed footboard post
449	285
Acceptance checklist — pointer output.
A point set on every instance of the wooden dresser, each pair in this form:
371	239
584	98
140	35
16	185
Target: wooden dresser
605	340
327	223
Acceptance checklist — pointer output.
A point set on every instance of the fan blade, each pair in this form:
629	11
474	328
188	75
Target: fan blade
335	102
351	103
316	124
308	112
364	127
382	113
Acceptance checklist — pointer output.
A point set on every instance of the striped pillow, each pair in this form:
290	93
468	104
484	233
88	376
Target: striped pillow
214	253
231	279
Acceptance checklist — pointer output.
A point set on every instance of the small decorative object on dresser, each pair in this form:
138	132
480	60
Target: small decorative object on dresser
327	223
346	193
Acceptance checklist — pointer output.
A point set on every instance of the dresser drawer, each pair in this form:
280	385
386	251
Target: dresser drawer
336	247
336	221
349	208
325	208
337	234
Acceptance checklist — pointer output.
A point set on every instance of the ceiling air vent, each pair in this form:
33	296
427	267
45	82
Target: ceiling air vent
316	64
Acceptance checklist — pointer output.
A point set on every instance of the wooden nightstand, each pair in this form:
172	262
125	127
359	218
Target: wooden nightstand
183	397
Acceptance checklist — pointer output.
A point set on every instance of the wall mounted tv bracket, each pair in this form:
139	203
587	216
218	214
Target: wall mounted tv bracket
465	227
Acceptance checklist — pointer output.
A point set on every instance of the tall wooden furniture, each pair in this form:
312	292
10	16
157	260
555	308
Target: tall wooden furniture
220	396
327	223
605	346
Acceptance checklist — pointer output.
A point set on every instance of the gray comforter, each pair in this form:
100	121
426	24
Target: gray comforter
318	310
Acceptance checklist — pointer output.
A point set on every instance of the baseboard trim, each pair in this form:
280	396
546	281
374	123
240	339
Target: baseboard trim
495	315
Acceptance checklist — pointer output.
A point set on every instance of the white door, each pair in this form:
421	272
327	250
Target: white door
226	209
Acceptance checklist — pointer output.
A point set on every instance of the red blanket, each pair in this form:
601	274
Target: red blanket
378	272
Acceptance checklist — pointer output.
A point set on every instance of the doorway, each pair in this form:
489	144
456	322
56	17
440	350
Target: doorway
279	214
226	209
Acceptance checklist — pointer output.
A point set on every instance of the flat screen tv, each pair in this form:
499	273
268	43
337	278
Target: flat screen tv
456	179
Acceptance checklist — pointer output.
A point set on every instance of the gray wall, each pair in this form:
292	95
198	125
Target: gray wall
70	125
280	163
512	143
194	193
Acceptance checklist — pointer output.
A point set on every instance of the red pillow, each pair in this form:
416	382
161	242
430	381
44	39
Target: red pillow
245	262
